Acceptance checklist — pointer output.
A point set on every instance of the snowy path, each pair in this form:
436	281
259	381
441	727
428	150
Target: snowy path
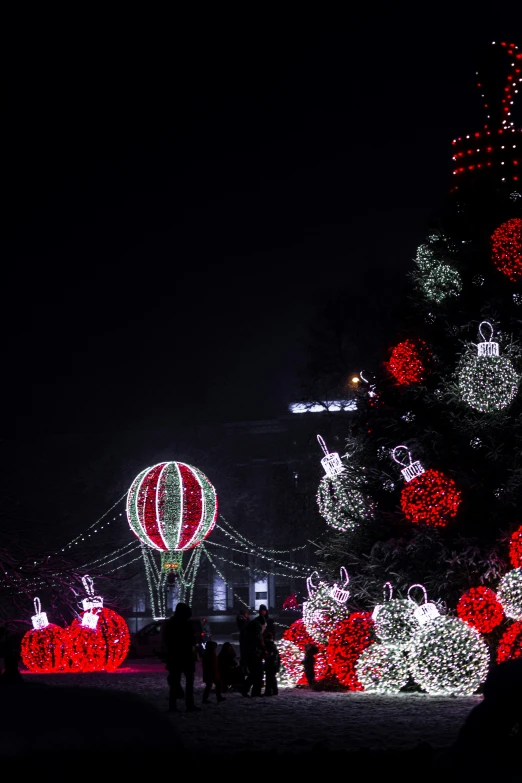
296	720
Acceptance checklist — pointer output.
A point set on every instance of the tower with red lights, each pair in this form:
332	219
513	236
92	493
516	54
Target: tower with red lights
492	157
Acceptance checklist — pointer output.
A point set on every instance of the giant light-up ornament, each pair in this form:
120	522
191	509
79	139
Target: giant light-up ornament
171	507
488	382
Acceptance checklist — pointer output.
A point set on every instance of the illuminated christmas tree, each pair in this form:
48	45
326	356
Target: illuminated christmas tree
445	504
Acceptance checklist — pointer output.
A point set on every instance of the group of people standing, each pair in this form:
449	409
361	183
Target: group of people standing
259	656
258	659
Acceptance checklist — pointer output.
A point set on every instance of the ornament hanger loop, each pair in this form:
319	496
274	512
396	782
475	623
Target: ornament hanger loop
323	445
398	461
88	584
362	377
387	591
423	590
37	606
484	338
344	576
310	584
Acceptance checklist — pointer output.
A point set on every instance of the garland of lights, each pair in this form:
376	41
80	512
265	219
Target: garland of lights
325	607
436	278
383	669
42	647
346	642
254	547
340	501
487	381
429	497
509	593
448	657
410	362
480	609
515	548
506	249
85	535
510	643
303	570
395	620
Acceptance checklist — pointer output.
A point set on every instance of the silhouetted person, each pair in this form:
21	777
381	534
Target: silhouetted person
242	620
272	665
232	675
211	672
266	621
490	738
10	644
180	657
311	651
254	648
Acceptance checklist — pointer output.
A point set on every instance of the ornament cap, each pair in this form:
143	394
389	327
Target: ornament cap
426	611
92	601
90	620
331	462
39	619
410	471
340	594
487	347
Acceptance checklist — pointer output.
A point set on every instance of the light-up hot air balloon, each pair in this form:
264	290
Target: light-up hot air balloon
171	507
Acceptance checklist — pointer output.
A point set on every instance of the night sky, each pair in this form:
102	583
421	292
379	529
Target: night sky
183	193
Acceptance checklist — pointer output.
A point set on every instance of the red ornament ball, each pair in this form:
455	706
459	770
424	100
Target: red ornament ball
510	643
479	608
515	548
430	499
410	362
506	249
348	639
102	648
297	634
42	649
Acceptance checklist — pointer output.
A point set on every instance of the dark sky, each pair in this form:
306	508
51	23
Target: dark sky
183	192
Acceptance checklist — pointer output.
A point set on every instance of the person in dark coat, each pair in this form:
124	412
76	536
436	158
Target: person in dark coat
211	672
242	620
311	651
272	665
266	621
254	650
179	643
232	675
489	740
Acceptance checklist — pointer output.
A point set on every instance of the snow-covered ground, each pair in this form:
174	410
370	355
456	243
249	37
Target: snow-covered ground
294	722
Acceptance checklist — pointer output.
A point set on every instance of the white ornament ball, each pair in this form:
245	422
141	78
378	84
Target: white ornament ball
488	383
321	612
291	663
341	502
448	657
509	593
395	622
382	669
